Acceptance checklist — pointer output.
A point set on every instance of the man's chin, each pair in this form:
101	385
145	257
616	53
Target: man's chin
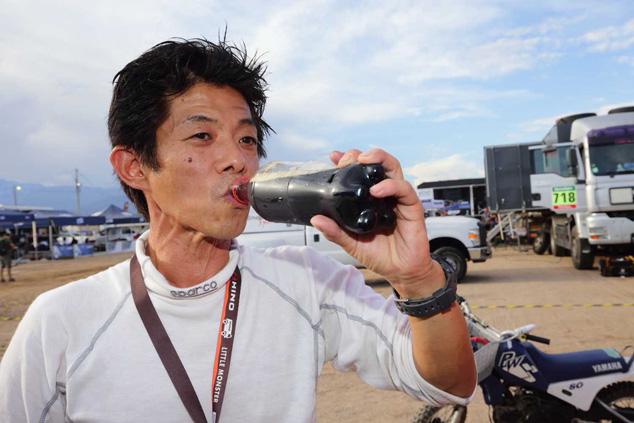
227	232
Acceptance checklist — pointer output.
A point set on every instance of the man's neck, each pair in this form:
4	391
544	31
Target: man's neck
183	257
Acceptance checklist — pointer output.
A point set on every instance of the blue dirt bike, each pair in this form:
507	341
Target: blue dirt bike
522	384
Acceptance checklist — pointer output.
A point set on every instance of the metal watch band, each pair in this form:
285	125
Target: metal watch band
437	302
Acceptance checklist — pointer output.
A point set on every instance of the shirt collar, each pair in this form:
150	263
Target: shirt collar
157	283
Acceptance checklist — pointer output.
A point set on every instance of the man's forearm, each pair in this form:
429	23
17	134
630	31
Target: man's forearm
440	343
442	351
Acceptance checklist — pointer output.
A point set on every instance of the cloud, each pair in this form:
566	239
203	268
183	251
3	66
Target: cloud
628	60
56	68
302	143
538	125
334	66
331	63
456	166
547	26
610	38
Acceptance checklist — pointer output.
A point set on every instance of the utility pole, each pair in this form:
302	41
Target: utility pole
16	188
77	185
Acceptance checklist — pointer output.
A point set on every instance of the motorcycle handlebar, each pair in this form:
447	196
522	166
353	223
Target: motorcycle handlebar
525	329
539	339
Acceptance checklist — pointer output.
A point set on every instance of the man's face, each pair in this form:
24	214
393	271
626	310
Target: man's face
208	140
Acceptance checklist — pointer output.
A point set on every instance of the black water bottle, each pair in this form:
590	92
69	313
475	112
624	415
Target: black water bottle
295	192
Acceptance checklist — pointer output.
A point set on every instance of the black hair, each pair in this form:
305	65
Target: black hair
144	88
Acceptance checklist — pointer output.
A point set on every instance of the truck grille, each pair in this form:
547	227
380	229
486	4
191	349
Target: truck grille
483	234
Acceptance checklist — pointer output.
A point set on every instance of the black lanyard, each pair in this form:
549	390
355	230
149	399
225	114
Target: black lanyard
169	356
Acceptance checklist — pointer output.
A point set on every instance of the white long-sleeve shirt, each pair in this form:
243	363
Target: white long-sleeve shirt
82	354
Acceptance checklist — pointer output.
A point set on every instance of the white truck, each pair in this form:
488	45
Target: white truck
457	238
576	185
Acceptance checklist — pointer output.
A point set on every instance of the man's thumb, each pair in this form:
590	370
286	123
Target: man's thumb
331	231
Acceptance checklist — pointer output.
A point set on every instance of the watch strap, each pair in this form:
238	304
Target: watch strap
440	300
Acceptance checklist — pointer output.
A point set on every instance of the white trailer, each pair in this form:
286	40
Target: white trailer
577	184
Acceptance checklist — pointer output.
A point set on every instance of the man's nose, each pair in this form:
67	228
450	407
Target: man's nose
232	158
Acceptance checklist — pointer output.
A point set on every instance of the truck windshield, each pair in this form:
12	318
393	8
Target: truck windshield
612	156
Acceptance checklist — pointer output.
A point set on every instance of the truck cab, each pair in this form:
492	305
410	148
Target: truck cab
608	160
581	185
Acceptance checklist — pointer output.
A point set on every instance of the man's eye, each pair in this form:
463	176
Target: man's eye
249	140
202	136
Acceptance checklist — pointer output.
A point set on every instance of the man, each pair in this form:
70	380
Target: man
6	255
198	328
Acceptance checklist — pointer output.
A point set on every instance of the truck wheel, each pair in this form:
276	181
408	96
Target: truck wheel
555	249
541	242
456	259
580	259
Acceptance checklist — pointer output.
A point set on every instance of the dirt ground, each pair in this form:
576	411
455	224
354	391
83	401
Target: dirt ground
512	278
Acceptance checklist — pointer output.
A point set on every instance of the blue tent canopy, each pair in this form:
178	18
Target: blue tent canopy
78	220
65	218
10	216
56	221
45	214
14	225
124	220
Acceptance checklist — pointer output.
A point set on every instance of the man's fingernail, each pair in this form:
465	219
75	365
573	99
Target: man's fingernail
346	157
376	190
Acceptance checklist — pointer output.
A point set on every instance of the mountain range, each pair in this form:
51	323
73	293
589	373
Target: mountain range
59	197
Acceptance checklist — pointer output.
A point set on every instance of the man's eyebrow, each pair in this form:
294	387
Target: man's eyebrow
247	121
199	118
203	118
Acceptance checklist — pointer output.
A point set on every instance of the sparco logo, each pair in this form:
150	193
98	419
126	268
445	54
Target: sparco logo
606	367
195	292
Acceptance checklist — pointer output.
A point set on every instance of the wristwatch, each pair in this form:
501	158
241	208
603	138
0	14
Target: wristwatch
438	301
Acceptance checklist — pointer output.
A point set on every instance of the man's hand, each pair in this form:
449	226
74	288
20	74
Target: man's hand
440	343
401	255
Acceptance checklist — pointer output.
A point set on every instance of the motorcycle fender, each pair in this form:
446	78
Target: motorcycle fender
581	392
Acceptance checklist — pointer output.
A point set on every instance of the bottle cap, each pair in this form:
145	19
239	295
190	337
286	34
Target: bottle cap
239	189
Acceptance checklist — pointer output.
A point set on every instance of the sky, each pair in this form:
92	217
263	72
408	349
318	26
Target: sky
431	82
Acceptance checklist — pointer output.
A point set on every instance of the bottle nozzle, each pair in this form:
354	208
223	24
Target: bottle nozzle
239	189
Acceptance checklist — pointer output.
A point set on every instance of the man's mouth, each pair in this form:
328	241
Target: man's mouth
229	197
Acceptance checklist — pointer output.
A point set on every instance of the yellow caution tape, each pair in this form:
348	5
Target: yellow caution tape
16	303
554	305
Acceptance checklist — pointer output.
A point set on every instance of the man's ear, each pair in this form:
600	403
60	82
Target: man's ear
128	167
